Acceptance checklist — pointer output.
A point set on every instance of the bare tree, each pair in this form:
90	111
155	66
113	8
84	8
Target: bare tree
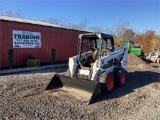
96	29
74	26
55	21
128	34
67	23
83	24
18	14
119	29
111	31
9	13
80	26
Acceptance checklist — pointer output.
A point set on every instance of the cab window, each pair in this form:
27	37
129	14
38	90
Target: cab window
107	44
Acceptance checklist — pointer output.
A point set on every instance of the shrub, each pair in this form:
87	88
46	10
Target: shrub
33	62
36	62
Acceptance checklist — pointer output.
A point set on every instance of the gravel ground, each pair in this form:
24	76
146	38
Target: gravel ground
23	97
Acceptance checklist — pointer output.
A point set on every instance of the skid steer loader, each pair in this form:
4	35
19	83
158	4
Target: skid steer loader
154	56
98	67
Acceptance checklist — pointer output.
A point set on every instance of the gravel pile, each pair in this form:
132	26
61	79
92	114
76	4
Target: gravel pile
23	97
134	61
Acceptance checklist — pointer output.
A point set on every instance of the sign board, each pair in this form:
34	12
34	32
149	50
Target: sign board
26	39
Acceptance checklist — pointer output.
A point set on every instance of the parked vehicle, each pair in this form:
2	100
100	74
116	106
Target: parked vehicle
154	56
98	67
132	49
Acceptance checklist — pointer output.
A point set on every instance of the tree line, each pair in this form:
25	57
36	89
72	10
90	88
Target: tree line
121	31
11	13
147	40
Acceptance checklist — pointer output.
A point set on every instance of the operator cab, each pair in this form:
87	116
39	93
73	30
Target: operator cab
93	46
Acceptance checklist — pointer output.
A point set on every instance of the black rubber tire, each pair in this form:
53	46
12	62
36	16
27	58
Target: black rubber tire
103	79
118	74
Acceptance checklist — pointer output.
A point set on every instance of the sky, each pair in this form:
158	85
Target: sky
142	15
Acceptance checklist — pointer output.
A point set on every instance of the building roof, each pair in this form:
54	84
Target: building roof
22	20
35	22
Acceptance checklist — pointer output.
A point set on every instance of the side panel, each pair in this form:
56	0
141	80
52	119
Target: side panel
64	41
109	59
135	51
0	44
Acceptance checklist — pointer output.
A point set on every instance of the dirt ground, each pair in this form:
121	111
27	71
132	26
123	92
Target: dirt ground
22	96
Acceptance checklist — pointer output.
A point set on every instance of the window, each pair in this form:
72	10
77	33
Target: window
107	44
131	44
85	45
106	47
93	44
98	41
125	44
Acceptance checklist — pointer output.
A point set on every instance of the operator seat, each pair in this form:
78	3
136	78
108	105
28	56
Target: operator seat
94	56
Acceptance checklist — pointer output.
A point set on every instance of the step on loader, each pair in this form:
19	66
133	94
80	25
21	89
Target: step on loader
98	68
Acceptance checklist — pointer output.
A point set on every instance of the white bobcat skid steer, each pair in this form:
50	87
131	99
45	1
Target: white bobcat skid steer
154	56
97	68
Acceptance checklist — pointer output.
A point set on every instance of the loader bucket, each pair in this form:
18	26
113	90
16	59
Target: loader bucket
87	88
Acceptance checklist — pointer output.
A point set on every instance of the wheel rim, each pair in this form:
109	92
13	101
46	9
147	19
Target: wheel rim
123	77
110	83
